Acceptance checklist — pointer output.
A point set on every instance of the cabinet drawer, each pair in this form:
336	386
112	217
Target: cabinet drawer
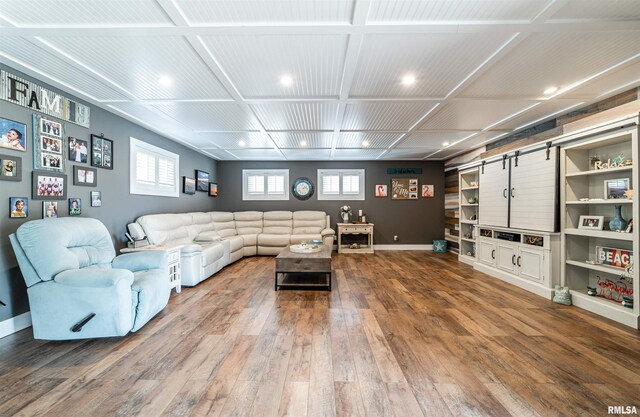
351	229
173	256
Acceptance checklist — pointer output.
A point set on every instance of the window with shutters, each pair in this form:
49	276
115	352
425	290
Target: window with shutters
154	171
265	184
341	184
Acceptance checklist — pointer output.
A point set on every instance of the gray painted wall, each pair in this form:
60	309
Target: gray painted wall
118	206
414	221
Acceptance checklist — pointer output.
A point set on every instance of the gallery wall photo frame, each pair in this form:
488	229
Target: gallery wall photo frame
48	185
18	207
96	199
101	152
213	189
188	185
202	181
404	188
78	150
85	176
13	135
10	168
48	144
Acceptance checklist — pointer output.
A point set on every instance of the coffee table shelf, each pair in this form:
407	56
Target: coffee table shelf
303	269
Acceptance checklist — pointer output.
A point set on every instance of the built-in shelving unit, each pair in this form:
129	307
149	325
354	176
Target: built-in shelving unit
583	265
469	188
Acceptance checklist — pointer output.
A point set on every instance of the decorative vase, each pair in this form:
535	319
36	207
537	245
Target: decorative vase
345	217
618	223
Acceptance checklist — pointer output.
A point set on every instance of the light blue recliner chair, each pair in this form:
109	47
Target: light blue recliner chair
78	288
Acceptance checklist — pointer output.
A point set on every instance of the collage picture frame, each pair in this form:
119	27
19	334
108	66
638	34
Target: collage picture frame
101	152
48	144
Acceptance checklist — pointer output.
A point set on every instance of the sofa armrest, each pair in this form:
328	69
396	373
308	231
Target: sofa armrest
94	277
328	232
141	261
191	248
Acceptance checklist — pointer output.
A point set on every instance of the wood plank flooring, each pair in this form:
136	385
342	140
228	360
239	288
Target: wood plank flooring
402	334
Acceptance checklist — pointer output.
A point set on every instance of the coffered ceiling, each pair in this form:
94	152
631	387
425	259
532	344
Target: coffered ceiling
211	73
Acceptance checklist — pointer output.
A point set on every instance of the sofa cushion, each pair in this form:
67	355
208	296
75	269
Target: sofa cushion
161	228
200	222
223	223
250	240
276	240
235	243
305	222
277	223
207	236
248	222
212	253
150	295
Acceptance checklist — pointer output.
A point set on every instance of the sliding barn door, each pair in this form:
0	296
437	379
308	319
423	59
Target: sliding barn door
493	195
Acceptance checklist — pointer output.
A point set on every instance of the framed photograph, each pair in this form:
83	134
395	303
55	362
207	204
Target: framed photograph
50	128
96	199
404	188
619	258
213	189
616	188
101	152
78	150
591	222
50	145
48	186
75	206
10	168
49	209
381	190
202	181
84	176
188	185
14	135
18	207
427	191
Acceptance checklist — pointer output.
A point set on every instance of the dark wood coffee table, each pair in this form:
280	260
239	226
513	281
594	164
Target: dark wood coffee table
303	269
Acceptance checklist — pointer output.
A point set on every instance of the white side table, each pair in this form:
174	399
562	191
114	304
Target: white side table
173	261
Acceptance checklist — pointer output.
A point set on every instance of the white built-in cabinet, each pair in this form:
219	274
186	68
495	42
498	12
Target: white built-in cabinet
494	197
469	186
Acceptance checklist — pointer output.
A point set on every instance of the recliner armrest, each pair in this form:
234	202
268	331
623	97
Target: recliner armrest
327	232
141	261
191	248
94	277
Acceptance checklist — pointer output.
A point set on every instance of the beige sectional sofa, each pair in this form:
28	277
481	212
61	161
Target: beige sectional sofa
212	240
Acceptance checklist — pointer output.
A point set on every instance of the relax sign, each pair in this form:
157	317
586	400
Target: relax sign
27	94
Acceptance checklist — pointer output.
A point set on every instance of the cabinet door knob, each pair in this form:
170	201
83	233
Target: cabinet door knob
518	261
504	193
513	259
512	195
493	254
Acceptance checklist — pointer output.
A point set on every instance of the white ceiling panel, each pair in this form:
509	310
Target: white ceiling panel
199	12
296	116
35	55
445	154
599	10
306	154
313	62
376	140
543	60
355	154
150	116
432	140
210	116
472	114
382	11
302	140
257	154
543	111
233	140
398	153
439	62
625	78
384	116
473	142
137	63
79	12
218	154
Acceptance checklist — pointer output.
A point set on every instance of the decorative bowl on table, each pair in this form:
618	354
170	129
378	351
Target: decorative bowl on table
305	248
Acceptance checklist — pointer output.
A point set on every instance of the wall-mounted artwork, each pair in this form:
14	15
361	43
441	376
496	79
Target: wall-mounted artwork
213	189
18	207
96	199
427	191
381	190
10	168
49	209
50	128
14	135
101	152
48	146
48	186
75	206
404	188
202	179
87	177
78	150
188	185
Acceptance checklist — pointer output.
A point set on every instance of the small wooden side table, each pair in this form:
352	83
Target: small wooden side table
173	260
355	229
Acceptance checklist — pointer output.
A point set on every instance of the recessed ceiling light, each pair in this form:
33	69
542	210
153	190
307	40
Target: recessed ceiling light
365	143
551	90
408	79
445	143
303	143
286	80
165	81
242	143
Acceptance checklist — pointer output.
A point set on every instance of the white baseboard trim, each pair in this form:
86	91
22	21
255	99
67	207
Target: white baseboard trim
402	247
15	324
517	281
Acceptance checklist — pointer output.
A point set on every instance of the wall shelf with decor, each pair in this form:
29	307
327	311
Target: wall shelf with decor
598	173
469	194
